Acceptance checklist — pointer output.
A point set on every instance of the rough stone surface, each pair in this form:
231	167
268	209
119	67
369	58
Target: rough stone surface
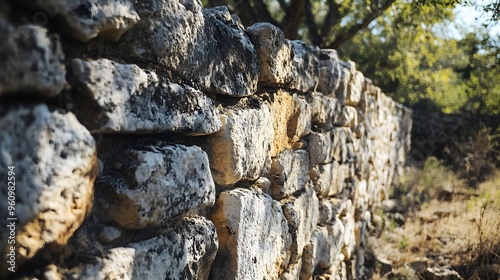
305	67
184	251
233	156
323	251
348	117
153	184
32	61
327	179
292	272
254	238
84	20
340	136
291	120
177	35
288	64
325	111
345	77
355	88
331	209
298	146
274	51
55	165
302	215
289	173
329	73
122	98
319	148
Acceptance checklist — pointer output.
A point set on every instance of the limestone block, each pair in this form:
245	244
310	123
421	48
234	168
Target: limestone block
291	120
305	67
54	160
359	130
274	51
254	238
241	149
362	189
302	215
349	238
323	249
351	153
330	71
115	263
362	164
122	98
186	250
292	272
320	148
371	89
325	111
150	185
204	48
340	137
326	180
331	209
289	64
348	117
84	20
32	61
342	90
300	123
289	173
355	88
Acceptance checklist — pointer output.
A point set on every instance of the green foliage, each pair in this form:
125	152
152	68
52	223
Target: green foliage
420	185
409	55
404	243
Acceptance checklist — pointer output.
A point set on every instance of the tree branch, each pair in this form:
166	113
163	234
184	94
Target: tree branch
293	18
263	12
311	25
332	18
353	30
283	5
246	12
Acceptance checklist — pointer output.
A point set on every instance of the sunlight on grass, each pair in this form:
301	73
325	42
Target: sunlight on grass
460	229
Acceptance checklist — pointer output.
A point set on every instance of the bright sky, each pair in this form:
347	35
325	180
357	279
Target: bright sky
468	16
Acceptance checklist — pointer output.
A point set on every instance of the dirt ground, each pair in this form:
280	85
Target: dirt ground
447	231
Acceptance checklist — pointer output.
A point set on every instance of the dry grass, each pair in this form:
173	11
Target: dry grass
462	232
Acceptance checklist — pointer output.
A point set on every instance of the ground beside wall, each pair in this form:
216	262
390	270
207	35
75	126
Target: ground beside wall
157	139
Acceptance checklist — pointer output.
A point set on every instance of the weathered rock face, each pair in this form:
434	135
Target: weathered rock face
291	117
289	173
204	48
54	163
254	236
32	61
283	63
184	250
122	98
302	215
323	251
233	156
222	153
153	184
84	20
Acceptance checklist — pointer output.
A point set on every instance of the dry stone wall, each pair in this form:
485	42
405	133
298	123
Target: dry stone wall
157	139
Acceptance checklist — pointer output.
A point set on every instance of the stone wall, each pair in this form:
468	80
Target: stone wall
156	139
